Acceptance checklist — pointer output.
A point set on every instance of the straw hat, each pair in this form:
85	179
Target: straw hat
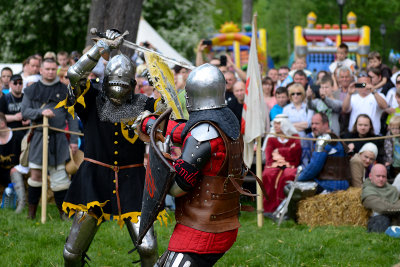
75	161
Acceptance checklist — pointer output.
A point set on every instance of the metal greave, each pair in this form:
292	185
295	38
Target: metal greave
83	230
148	250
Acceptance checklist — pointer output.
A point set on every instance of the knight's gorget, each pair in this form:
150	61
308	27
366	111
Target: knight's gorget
109	112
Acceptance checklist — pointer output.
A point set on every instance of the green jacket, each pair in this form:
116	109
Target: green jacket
383	200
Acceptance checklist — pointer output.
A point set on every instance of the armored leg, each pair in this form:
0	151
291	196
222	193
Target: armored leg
148	250
17	180
83	230
302	191
170	258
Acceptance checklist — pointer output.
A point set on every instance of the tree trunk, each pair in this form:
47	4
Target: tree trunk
123	15
247	12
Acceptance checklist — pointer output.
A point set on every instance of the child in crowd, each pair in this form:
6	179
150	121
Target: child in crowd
327	104
341	59
375	61
282	98
394	111
391	95
300	63
392	147
62	59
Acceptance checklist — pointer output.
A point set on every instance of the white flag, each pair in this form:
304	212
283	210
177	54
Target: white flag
254	115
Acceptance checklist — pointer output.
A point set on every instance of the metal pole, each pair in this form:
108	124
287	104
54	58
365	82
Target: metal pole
44	167
382	29
340	23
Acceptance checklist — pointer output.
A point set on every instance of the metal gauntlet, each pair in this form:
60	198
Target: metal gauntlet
81	69
322	141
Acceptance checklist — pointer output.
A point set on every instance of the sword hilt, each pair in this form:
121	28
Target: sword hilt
94	31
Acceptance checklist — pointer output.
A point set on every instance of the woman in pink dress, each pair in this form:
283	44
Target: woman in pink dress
282	158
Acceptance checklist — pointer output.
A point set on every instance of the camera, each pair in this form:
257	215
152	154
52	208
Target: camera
222	59
360	85
207	42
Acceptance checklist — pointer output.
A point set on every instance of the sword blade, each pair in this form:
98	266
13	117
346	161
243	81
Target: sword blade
139	48
285	208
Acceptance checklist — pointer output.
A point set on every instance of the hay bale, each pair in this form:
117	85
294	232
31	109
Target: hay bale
337	208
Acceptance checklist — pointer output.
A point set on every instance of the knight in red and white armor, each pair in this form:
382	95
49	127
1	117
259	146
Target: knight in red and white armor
209	173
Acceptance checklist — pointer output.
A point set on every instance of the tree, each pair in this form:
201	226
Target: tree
226	11
181	23
36	26
122	15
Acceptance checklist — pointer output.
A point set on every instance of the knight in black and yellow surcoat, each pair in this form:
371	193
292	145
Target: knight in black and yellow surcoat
109	183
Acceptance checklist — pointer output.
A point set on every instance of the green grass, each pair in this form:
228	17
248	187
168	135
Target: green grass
29	243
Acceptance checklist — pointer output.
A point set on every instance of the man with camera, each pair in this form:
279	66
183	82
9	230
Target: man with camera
367	101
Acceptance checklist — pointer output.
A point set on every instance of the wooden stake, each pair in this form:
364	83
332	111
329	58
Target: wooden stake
260	208
260	218
44	167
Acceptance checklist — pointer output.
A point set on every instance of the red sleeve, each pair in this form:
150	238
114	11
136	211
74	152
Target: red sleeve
271	145
146	121
174	129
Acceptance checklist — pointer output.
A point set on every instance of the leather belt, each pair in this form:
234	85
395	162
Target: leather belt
116	170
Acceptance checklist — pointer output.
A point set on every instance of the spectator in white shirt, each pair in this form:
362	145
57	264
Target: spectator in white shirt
367	101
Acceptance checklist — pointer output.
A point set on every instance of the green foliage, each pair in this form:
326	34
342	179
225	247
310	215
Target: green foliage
226	11
182	24
37	26
30	243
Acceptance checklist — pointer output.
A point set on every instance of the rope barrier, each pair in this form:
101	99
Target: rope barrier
277	135
41	125
337	139
65	131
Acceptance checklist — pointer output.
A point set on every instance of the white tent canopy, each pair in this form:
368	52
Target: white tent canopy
149	34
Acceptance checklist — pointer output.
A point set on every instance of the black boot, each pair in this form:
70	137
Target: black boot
59	199
32	211
33	200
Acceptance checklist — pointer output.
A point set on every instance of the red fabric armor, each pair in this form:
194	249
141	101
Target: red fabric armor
186	239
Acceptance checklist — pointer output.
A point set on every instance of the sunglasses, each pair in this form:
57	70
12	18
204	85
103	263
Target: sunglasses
66	77
297	93
397	82
17	82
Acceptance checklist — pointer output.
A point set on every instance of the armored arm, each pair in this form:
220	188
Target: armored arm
81	69
318	159
196	153
78	73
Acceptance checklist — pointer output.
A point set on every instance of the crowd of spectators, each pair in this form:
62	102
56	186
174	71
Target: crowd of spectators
344	101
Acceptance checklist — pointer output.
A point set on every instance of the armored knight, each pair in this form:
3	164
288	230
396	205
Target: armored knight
209	173
329	165
328	171
109	183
